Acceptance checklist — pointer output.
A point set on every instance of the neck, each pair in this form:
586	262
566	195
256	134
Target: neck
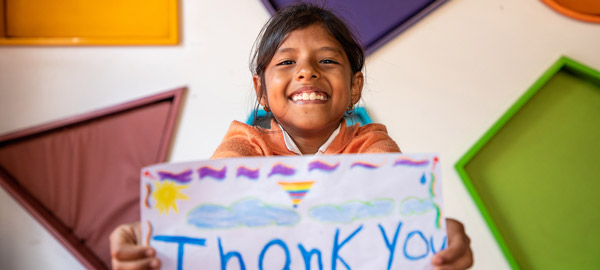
310	142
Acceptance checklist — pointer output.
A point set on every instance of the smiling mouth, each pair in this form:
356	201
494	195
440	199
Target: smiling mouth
309	95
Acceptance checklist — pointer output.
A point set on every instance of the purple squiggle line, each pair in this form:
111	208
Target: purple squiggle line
282	169
408	162
184	177
320	165
210	172
243	171
364	165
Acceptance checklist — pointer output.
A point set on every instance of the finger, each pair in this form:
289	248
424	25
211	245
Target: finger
148	263
123	243
444	267
458	255
465	261
458	244
137	232
456	249
122	235
131	252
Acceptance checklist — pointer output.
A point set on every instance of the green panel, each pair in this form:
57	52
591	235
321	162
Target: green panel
535	174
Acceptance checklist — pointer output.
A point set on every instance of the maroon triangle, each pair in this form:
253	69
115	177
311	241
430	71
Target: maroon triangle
79	177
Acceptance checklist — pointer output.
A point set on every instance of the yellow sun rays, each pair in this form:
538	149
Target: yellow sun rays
166	195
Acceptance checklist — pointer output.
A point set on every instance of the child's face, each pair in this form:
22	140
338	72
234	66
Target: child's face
309	82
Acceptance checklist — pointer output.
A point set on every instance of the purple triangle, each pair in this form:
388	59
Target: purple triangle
376	22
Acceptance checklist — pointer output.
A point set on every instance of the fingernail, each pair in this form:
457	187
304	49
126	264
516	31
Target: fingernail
437	260
154	263
149	252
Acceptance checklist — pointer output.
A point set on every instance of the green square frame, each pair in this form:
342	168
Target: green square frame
509	244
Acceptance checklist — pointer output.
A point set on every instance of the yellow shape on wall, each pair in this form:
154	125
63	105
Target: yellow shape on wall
90	22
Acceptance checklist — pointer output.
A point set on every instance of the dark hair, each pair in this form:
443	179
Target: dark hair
296	17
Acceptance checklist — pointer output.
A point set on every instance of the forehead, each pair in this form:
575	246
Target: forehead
314	36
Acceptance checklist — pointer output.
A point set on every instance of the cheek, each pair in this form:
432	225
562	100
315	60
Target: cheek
276	83
344	83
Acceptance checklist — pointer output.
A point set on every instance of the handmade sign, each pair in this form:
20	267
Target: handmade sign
368	211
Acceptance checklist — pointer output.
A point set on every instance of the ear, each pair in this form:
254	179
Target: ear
261	96
357	85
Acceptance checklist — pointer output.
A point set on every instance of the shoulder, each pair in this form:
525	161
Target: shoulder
237	128
240	140
370	138
370	128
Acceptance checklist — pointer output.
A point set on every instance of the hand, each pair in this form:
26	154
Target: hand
458	255
125	252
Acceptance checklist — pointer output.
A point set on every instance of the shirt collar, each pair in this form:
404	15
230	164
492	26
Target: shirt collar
289	143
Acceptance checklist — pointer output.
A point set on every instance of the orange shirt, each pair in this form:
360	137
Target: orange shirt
242	140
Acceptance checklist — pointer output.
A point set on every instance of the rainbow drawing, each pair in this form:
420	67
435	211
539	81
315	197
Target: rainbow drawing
296	190
208	171
411	162
282	169
437	207
322	166
182	178
364	165
431	192
249	173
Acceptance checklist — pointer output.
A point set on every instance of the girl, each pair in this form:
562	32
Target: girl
307	72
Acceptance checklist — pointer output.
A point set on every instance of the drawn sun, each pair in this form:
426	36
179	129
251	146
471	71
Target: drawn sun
166	195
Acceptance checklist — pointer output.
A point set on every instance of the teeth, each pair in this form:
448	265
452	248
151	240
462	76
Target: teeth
308	96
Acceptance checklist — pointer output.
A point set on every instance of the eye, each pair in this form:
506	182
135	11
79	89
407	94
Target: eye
285	63
329	61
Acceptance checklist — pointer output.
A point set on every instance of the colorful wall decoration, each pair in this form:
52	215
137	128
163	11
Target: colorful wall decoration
92	22
534	174
583	10
370	211
376	22
78	177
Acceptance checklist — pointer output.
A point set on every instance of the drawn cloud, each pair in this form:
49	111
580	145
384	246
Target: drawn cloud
247	212
350	211
415	206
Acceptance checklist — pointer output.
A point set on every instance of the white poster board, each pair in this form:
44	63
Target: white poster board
364	211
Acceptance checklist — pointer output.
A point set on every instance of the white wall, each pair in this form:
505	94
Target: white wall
438	87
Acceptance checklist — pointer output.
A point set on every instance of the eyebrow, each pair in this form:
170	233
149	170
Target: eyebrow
331	49
283	50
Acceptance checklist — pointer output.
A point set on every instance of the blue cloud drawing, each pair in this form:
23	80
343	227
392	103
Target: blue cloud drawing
247	212
350	211
414	206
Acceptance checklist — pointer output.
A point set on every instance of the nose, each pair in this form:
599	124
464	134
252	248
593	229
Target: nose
307	71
